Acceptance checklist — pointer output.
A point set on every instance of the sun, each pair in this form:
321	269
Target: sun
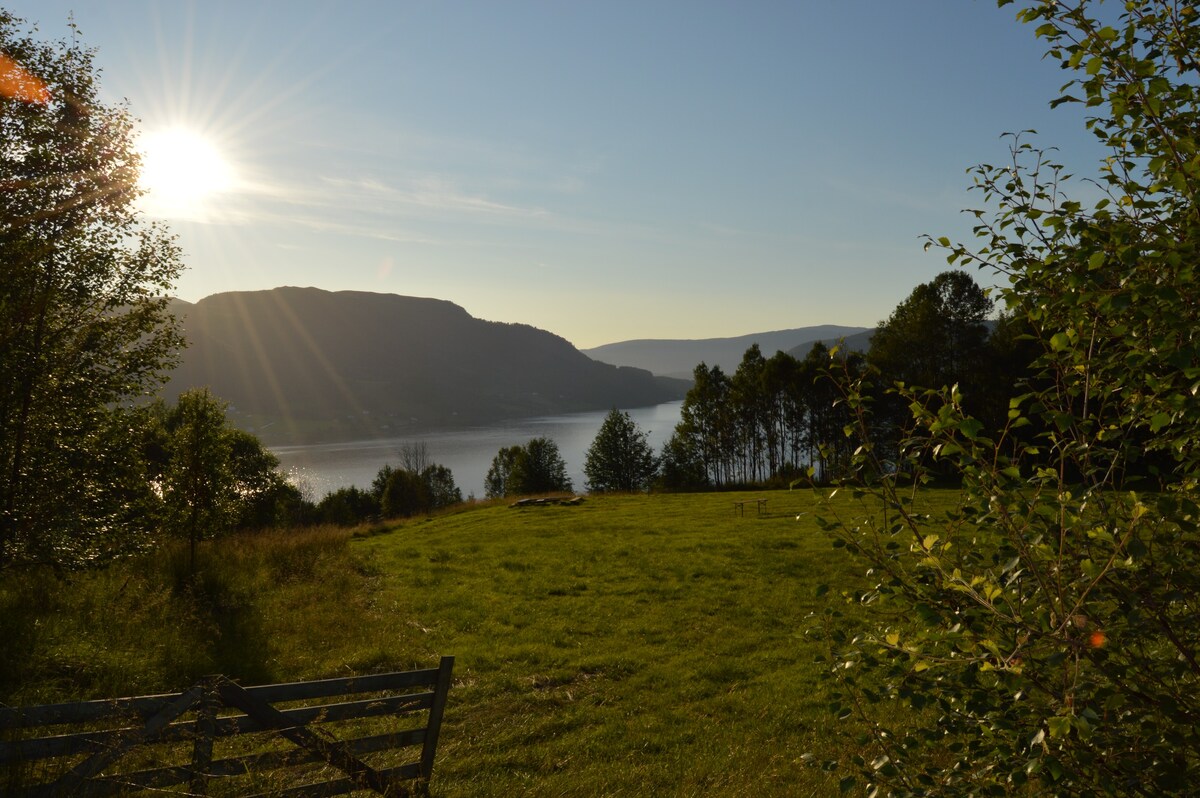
183	172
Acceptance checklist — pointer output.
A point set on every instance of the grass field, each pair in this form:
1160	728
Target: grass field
630	645
638	645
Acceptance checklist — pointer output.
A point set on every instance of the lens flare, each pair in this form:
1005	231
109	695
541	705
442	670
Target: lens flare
17	83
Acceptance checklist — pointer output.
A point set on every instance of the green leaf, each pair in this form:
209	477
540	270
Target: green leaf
970	427
1060	726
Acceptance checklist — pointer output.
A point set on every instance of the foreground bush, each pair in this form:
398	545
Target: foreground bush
1046	632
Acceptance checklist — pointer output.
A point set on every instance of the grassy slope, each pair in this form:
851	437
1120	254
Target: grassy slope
637	645
632	645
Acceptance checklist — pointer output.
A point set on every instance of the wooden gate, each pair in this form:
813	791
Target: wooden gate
218	738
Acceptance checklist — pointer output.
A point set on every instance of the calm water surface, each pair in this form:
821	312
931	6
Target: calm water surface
321	468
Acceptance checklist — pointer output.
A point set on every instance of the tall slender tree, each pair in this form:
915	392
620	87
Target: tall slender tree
704	417
84	325
198	484
750	414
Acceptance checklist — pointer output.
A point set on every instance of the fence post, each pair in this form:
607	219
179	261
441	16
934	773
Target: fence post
445	671
206	729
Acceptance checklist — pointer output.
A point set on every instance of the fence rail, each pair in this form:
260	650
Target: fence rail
220	738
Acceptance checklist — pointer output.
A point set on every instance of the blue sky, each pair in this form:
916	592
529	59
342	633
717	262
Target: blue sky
604	171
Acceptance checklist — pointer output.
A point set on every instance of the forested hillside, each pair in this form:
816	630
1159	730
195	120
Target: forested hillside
302	364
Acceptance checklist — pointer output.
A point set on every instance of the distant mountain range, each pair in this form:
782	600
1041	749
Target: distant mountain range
304	365
859	342
678	358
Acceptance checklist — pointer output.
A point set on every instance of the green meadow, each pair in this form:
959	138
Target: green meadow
629	645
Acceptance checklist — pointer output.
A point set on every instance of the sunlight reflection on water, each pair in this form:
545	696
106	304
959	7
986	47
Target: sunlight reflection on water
321	468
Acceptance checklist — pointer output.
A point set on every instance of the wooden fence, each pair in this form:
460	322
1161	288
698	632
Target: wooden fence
218	738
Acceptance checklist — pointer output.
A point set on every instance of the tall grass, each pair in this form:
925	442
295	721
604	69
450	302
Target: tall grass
152	624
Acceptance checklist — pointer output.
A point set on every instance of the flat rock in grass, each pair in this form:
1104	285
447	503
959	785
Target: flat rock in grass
549	501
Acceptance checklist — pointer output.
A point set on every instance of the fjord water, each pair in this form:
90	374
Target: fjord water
321	468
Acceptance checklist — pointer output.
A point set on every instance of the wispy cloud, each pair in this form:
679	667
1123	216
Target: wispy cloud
428	192
365	206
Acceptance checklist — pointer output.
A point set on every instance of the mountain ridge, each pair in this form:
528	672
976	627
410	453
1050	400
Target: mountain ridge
302	365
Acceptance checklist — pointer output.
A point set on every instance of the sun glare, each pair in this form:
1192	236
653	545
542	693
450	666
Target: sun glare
182	172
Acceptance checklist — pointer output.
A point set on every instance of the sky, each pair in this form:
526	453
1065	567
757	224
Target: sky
603	170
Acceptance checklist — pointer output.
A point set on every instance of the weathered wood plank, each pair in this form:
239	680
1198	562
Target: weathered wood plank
232	767
206	727
258	763
445	669
34	749
324	688
83	711
147	706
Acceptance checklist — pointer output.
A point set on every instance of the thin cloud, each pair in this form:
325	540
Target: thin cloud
431	192
363	206
364	231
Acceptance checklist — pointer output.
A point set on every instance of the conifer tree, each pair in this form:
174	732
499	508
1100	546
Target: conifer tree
620	458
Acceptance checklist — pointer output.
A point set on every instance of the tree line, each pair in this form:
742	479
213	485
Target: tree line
770	420
619	459
779	419
782	419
